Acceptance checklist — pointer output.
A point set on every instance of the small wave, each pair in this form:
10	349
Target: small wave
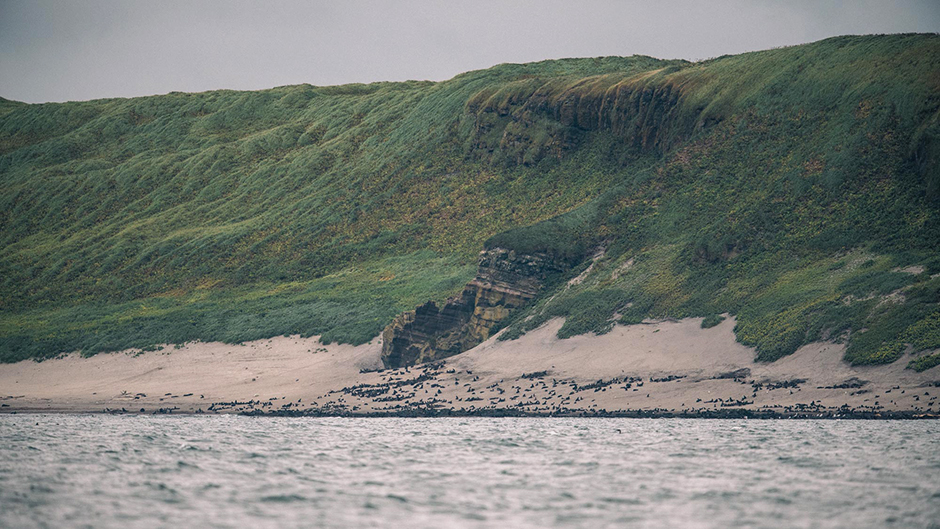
283	498
622	501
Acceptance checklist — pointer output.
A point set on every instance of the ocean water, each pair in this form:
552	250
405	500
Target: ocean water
233	471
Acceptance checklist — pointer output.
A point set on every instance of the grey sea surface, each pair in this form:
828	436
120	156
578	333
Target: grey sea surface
233	471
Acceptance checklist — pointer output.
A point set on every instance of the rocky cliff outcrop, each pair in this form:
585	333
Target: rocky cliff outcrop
505	281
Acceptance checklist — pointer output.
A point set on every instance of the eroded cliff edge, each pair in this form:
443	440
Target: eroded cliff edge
505	281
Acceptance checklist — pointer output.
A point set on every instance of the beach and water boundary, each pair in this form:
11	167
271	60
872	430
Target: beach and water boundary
657	369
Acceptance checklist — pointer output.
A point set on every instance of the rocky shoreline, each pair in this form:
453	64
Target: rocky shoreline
431	413
735	413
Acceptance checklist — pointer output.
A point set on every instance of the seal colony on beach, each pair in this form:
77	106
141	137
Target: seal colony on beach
648	370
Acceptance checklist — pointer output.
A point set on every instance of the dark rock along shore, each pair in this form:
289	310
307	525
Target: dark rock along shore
505	281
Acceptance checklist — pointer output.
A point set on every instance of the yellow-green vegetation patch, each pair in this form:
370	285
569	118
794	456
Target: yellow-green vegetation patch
923	363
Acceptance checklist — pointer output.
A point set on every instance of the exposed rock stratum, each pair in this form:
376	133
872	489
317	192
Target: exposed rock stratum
505	281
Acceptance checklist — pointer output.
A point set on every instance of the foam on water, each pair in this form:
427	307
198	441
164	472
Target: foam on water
229	471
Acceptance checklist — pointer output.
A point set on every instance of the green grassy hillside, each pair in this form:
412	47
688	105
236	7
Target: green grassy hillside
796	188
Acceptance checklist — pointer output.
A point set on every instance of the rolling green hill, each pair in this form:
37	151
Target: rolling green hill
795	188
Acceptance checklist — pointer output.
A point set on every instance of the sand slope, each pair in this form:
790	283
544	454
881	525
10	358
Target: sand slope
666	366
210	372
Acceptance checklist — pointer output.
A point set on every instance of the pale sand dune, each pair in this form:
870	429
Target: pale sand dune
683	348
305	373
289	367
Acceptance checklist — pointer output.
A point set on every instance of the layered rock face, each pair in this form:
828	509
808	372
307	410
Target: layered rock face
505	281
645	112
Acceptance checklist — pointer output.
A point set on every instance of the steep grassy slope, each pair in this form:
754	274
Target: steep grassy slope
783	186
810	209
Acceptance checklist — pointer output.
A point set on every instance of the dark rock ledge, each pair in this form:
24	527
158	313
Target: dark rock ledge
505	281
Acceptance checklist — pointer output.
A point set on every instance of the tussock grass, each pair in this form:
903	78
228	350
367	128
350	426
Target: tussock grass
760	185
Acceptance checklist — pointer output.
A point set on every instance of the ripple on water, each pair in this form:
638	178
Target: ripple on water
283	498
108	471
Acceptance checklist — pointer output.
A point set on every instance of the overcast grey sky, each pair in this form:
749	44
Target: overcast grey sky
76	50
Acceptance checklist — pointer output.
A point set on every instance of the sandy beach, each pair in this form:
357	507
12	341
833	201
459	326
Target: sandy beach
653	369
